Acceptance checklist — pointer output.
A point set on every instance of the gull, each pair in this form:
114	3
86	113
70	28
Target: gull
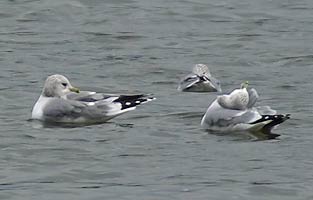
60	102
237	112
200	80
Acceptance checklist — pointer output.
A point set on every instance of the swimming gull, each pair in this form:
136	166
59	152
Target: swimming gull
200	80
62	103
237	112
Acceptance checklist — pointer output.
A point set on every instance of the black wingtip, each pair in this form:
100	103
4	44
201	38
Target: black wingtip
128	101
276	119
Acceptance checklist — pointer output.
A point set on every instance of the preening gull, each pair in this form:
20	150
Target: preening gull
200	80
236	112
60	102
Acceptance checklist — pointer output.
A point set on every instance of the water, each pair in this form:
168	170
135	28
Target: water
158	151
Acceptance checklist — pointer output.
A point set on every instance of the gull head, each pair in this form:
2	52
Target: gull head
58	86
244	85
201	70
200	81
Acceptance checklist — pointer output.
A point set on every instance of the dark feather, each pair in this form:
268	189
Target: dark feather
128	101
275	120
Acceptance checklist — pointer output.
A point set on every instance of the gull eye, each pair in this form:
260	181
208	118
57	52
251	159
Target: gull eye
64	84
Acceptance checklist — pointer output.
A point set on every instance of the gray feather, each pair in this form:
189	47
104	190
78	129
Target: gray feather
253	97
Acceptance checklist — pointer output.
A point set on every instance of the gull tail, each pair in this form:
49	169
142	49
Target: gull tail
268	122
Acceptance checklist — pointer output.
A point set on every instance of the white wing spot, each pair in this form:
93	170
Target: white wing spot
137	101
127	103
266	117
91	104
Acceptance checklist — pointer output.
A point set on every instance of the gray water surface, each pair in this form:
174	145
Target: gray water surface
158	151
